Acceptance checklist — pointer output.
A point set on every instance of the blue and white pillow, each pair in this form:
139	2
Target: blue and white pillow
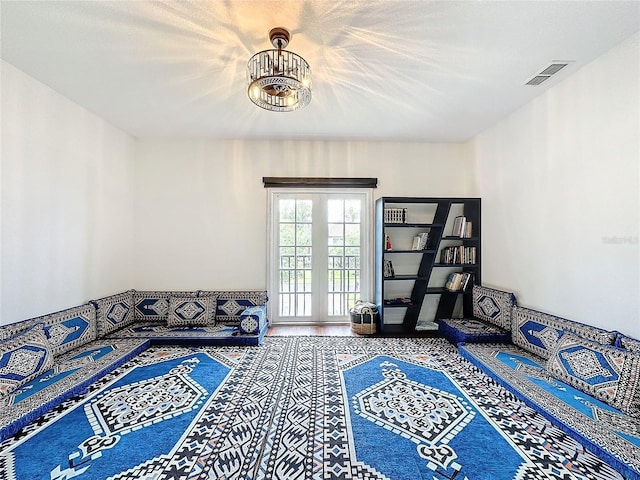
114	312
153	306
231	304
70	328
539	332
493	306
191	311
605	372
253	320
23	358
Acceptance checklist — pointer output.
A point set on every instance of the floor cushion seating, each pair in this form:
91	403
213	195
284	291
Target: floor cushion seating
49	359
491	321
23	357
78	359
574	375
151	311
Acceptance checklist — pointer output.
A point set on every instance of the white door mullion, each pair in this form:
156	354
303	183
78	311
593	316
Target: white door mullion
320	258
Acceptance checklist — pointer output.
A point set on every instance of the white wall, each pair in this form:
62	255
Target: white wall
201	206
559	181
67	193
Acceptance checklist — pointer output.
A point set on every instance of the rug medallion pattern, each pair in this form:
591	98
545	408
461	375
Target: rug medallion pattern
303	408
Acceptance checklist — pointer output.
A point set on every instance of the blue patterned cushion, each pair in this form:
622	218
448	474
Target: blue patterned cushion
114	312
232	303
253	320
23	358
493	306
538	332
471	330
70	328
191	311
153	306
606	372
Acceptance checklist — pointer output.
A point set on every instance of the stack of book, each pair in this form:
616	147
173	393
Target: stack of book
462	227
458	254
420	241
395	215
458	281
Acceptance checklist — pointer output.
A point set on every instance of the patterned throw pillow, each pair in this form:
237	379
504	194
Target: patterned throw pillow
253	319
114	312
605	372
231	304
24	357
70	328
493	306
191	311
153	306
539	332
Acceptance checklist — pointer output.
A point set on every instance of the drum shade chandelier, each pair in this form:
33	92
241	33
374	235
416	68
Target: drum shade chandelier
279	80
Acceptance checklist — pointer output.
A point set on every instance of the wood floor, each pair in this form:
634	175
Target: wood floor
331	331
311	330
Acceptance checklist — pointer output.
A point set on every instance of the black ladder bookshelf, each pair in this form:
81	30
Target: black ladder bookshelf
419	275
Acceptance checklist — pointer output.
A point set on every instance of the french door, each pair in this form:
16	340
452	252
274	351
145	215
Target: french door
319	254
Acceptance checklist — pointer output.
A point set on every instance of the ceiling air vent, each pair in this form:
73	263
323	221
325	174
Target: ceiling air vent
546	73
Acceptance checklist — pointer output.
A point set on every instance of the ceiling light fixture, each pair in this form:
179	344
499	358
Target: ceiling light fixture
279	80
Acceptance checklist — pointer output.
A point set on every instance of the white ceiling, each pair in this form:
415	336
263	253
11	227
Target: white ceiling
435	71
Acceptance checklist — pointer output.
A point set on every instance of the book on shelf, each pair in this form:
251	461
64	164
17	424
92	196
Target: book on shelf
420	241
462	227
458	281
388	269
466	280
459	254
395	215
398	301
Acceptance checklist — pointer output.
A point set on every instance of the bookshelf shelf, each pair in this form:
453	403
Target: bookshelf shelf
420	274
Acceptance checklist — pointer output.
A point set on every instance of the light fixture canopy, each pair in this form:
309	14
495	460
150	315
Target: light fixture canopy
279	80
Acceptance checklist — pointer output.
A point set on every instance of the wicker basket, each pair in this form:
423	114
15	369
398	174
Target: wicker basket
364	318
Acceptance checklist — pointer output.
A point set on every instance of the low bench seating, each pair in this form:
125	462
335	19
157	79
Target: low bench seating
491	321
31	385
155	317
49	359
584	379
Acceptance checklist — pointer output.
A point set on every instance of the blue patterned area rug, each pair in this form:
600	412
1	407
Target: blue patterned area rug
298	408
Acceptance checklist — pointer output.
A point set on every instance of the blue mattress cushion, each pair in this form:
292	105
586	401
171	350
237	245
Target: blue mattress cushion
253	320
606	372
471	330
23	358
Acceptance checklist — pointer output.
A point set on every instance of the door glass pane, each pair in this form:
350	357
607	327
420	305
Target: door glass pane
343	255
352	211
295	250
287	210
